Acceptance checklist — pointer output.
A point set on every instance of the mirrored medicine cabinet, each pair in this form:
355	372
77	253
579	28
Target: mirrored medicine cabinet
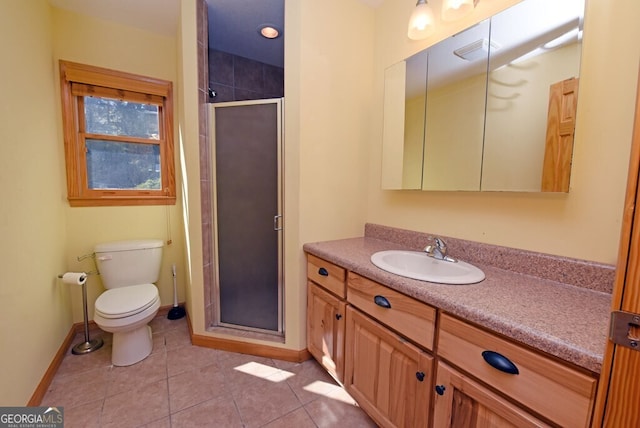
491	108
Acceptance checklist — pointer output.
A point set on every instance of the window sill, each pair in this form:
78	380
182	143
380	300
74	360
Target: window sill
116	201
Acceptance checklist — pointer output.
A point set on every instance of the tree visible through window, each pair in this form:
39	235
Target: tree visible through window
118	141
120	165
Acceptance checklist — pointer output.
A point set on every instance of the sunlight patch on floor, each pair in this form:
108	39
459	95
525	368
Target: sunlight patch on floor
264	371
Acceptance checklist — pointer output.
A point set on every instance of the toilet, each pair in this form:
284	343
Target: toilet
128	270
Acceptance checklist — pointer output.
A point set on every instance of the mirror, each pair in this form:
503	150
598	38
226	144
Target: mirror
404	117
456	91
544	52
500	120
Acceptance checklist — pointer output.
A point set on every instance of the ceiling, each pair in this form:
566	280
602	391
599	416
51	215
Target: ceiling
233	28
232	23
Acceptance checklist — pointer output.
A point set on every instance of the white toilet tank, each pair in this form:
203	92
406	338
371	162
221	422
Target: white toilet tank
126	263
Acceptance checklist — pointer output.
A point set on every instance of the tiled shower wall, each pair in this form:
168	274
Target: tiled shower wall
205	179
234	78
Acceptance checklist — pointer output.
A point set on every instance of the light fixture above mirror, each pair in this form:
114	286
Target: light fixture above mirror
422	21
453	10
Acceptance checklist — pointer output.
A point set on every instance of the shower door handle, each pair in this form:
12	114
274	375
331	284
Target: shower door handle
276	226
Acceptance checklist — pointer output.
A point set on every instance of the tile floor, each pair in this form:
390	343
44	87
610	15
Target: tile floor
181	385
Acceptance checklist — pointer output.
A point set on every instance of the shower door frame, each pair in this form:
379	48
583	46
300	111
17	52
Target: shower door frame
278	221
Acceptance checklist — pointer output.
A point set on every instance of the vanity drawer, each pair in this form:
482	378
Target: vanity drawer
409	317
557	392
326	274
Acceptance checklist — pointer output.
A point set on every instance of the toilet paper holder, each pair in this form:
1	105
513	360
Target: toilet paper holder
91	272
88	345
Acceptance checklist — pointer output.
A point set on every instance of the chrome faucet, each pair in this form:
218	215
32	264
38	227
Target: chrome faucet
438	250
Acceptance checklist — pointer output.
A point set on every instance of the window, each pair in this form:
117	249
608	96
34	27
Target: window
118	137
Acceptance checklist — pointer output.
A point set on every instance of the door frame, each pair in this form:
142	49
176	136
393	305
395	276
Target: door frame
617	359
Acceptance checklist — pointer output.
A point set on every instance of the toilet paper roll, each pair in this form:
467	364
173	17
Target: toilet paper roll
78	278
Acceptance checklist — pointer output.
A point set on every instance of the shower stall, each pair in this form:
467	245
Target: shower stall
247	147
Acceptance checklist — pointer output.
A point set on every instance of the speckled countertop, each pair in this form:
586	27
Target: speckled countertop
557	317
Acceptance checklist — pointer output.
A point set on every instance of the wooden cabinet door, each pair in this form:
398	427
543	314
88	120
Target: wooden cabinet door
561	123
462	403
325	329
388	377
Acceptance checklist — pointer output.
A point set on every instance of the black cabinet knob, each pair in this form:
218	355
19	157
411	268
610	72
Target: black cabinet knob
420	376
382	301
323	272
500	362
440	389
338	316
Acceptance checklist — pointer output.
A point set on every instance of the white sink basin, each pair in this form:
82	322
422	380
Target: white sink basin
418	265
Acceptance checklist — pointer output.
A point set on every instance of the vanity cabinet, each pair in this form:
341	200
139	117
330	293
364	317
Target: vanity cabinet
407	370
553	390
326	292
389	377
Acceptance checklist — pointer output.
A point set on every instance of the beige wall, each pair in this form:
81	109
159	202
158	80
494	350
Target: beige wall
335	115
190	160
334	121
583	224
36	311
106	44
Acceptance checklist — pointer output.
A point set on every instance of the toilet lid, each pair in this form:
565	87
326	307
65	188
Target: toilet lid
125	301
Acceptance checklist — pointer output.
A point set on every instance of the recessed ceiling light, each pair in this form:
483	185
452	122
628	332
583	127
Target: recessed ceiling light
268	31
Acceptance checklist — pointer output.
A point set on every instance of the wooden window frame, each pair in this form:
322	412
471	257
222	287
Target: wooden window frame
78	80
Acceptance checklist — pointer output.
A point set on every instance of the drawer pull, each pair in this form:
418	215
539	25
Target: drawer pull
440	389
323	272
382	301
338	317
420	376
500	362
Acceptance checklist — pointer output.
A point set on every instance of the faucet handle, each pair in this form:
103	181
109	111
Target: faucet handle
438	250
438	241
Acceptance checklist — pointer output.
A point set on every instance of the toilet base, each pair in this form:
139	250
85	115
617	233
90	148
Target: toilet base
132	346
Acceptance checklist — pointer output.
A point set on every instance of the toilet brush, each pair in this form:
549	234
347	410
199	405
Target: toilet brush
176	312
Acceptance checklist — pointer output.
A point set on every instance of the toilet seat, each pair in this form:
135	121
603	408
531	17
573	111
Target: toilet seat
126	301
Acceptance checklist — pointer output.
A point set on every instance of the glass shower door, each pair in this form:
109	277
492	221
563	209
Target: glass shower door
247	203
